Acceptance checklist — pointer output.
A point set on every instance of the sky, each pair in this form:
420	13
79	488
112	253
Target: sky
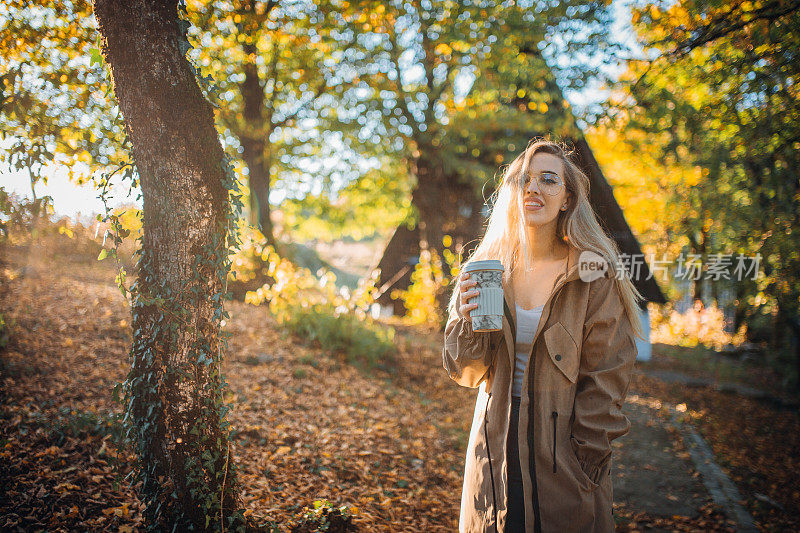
80	202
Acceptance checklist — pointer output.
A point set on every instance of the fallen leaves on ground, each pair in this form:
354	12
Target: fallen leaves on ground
388	444
754	441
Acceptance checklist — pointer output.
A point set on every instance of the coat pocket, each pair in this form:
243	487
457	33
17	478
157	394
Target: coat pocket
562	350
584	480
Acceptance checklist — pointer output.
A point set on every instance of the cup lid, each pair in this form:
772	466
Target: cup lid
487	264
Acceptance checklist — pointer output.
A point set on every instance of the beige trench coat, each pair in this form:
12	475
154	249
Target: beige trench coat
572	394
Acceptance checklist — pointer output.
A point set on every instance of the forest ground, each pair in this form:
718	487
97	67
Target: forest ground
387	442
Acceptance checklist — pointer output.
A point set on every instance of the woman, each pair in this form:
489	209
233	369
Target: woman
553	381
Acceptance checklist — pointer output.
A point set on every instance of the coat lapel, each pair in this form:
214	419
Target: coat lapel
508	295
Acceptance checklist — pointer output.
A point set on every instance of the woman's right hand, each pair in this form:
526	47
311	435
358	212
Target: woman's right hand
465	294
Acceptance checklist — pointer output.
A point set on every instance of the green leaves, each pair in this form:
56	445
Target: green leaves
96	57
718	100
52	49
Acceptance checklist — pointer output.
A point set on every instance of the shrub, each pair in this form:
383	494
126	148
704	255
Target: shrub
312	307
363	342
324	517
698	325
21	216
70	423
5	332
425	298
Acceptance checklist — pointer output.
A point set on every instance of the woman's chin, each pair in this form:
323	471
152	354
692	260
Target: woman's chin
536	220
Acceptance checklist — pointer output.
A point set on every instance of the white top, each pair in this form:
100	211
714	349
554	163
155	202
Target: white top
527	322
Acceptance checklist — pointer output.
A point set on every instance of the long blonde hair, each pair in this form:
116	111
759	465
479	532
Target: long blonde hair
506	238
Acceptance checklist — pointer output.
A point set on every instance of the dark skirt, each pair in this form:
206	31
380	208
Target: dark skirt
515	522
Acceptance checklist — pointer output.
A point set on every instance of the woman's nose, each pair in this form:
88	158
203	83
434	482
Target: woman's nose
533	185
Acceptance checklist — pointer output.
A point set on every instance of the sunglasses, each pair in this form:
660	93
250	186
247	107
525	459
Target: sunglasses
549	182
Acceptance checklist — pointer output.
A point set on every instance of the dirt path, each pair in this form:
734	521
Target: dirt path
653	472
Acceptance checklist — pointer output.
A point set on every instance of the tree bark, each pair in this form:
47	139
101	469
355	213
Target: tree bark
175	409
445	206
255	147
429	198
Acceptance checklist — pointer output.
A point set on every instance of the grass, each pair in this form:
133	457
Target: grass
705	363
365	344
699	361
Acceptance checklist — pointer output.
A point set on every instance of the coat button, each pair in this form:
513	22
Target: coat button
558	357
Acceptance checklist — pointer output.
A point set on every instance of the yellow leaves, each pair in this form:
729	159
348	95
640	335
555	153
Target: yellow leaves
692	328
693	176
282	450
443	49
121	511
427	280
541	107
65	487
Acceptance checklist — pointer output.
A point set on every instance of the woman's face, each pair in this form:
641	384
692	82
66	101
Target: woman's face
545	192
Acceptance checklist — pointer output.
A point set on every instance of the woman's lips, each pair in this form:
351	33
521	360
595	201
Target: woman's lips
531	206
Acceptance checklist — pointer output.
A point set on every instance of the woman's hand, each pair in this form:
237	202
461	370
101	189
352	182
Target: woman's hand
464	307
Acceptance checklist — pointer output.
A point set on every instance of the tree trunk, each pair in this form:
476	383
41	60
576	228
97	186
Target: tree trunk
255	141
429	198
445	206
175	412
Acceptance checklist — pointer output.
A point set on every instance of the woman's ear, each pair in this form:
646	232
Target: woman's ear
567	199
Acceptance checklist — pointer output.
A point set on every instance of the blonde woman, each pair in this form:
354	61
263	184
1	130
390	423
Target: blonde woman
553	381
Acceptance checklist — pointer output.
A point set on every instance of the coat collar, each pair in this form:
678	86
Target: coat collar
569	273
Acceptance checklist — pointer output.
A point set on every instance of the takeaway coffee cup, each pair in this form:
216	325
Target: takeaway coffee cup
488	316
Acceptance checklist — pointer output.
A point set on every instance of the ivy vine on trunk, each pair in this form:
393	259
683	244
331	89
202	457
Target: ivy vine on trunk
175	415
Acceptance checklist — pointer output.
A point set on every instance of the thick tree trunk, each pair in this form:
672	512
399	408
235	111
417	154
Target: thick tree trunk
430	197
175	412
445	206
255	141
